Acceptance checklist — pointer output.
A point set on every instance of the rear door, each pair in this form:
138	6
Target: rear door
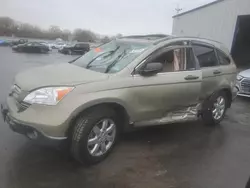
210	67
176	87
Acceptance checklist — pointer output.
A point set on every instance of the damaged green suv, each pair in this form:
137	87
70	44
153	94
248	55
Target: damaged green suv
129	82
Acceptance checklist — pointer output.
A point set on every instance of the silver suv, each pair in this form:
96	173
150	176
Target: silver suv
129	82
243	83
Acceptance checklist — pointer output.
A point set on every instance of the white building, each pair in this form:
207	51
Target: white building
226	21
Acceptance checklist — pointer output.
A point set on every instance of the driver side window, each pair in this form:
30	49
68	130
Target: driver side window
175	60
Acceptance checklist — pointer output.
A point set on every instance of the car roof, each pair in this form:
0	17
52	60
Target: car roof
150	39
160	38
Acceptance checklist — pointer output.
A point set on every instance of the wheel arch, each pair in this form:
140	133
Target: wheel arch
226	90
118	107
229	95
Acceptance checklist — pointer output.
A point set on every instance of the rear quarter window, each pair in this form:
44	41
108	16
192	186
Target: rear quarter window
205	55
223	58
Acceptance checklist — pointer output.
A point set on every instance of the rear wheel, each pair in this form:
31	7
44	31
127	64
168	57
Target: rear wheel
94	135
19	50
215	108
69	52
42	50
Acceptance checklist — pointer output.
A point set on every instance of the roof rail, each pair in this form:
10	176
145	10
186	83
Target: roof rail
164	39
147	37
199	38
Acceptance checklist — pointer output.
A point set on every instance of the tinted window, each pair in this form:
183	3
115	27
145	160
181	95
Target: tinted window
179	59
82	45
223	59
205	55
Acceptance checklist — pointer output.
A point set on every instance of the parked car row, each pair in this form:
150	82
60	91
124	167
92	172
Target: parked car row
23	45
12	43
31	47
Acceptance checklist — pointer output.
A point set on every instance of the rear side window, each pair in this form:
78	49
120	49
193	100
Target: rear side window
205	55
82	45
223	58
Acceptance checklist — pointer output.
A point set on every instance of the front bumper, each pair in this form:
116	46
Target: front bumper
30	131
243	95
243	91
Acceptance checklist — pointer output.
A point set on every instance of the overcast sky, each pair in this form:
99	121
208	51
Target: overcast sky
101	16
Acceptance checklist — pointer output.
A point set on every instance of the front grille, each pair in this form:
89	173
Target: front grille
16	89
16	92
245	86
21	106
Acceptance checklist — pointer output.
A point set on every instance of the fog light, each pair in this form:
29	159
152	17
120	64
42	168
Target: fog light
32	135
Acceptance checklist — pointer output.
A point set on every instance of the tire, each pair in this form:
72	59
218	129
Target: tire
82	134
42	51
209	110
19	50
69	52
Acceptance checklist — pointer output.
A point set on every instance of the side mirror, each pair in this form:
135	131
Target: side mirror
151	69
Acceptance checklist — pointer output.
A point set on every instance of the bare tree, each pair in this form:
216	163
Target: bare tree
84	35
105	39
9	27
6	26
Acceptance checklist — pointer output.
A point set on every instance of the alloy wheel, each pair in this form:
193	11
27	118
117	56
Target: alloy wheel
101	137
219	108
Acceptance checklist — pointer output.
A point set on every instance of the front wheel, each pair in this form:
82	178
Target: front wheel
43	51
69	52
94	136
215	109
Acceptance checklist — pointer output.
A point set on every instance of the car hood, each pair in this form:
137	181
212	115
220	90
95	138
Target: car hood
56	75
245	73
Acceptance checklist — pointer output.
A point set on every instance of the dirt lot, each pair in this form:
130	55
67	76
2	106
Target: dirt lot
188	155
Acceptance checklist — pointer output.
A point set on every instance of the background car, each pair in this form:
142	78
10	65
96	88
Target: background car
4	43
79	48
58	45
21	41
243	83
31	47
49	45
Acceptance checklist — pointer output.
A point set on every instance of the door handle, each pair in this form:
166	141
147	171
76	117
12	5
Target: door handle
217	72
191	77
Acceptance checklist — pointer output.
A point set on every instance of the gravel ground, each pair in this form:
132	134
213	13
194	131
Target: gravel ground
188	155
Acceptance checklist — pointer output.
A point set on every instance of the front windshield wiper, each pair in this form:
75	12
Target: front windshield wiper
116	60
110	53
72	61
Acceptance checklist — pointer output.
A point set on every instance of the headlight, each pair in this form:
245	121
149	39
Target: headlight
239	77
48	96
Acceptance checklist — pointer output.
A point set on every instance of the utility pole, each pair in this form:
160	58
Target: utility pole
178	9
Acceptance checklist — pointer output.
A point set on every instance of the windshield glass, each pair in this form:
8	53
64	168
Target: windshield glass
111	57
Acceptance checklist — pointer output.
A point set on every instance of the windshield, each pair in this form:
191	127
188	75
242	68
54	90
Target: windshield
111	57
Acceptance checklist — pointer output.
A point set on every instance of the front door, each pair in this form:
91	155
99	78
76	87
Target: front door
176	87
77	49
